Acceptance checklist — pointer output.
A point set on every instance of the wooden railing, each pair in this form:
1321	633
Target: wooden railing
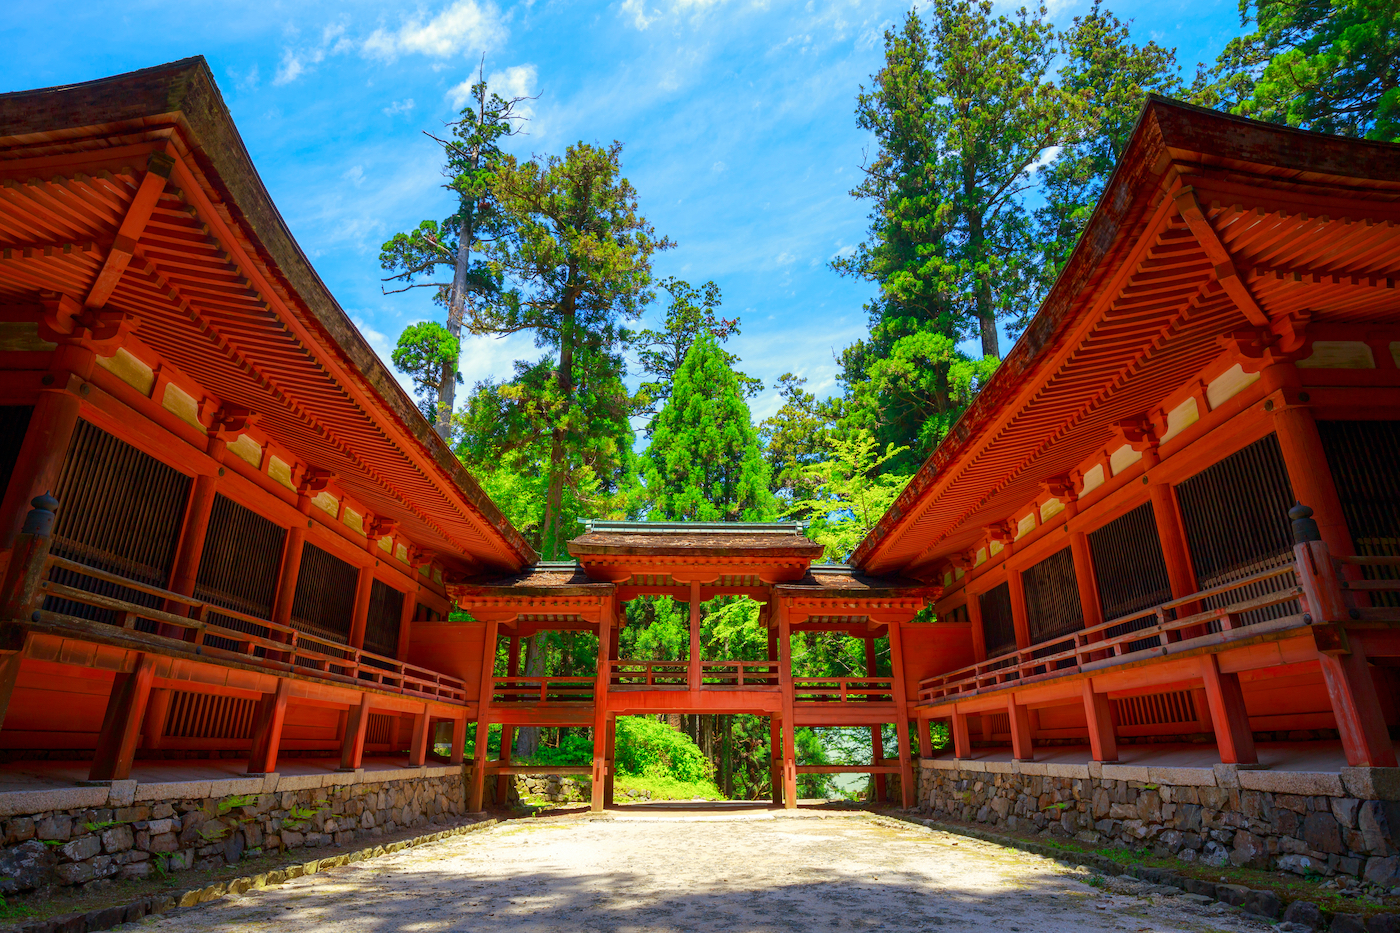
1093	648
283	650
1380	575
677	673
534	690
843	689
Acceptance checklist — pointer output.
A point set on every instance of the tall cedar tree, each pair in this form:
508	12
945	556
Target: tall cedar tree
1110	77
579	251
1326	65
692	311
433	248
704	462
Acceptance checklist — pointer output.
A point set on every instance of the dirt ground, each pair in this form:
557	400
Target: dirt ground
722	872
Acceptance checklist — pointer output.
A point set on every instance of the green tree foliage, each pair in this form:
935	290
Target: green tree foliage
851	493
1110	78
648	747
796	438
420	258
691	313
578	249
427	353
1326	65
704	462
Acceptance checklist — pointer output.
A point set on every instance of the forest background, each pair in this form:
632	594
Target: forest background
992	137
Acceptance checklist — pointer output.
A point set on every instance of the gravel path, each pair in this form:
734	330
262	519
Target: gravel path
732	873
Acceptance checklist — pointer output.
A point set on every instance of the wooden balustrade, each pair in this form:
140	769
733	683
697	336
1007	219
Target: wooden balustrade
284	649
712	673
843	689
1094	648
525	689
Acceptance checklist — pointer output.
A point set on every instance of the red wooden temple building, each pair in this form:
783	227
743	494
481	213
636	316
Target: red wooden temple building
254	539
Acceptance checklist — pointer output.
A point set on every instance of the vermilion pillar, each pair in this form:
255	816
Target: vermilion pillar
418	749
1103	742
121	726
1172	536
42	452
352	744
364	584
600	707
1019	617
962	739
877	733
1228	715
508	732
1019	717
979	635
789	728
901	723
476	791
267	728
1360	720
410	609
693	667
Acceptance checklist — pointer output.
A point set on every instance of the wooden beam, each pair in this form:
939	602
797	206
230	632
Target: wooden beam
267	728
121	726
1225	272
138	214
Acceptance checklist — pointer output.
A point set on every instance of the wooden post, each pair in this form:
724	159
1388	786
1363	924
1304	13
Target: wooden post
508	732
979	635
418	750
477	789
901	723
1103	742
600	707
41	453
19	594
877	733
352	744
267	728
1021	748
789	730
1086	581
410	609
693	668
925	737
291	564
9	674
364	584
1305	459
121	726
1172	537
1233	737
610	764
775	759
191	550
1019	617
459	739
962	740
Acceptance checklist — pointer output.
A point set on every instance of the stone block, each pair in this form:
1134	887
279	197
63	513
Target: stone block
121	793
1182	777
23	802
80	849
1345	810
1304	783
1321	834
1036	768
999	767
1232	894
230	787
136	871
1263	904
58	828
1372	783
1383	871
1347	923
1249	851
1112	772
172	790
165	842
1067	771
74	873
118	839
1376	819
1304	913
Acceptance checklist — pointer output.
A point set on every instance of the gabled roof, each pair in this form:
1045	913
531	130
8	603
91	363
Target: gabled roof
1210	224
221	290
707	539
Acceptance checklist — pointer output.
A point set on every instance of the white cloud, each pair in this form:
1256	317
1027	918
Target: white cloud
718	167
463	26
1046	157
355	175
398	107
513	82
641	18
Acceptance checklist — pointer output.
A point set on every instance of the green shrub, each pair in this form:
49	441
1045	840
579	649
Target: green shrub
646	746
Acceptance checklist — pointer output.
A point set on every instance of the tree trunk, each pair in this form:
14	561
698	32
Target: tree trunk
551	533
977	247
527	738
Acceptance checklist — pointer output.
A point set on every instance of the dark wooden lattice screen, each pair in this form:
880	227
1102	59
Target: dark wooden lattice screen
14	422
325	599
1365	460
1130	571
385	614
956	616
241	565
998	628
1053	609
119	510
1236	517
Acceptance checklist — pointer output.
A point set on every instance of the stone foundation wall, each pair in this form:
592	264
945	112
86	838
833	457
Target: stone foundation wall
1304	822
86	835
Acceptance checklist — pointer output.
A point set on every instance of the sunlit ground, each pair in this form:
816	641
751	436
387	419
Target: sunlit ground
715	871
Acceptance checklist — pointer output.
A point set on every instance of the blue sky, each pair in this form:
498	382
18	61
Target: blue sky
737	118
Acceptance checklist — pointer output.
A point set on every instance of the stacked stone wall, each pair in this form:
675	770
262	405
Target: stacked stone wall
129	831
1307	823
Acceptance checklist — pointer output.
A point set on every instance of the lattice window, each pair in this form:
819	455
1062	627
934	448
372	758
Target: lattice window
205	716
240	566
1176	706
956	616
998	627
325	597
1130	571
379	729
1236	517
385	615
119	510
1365	460
1053	609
